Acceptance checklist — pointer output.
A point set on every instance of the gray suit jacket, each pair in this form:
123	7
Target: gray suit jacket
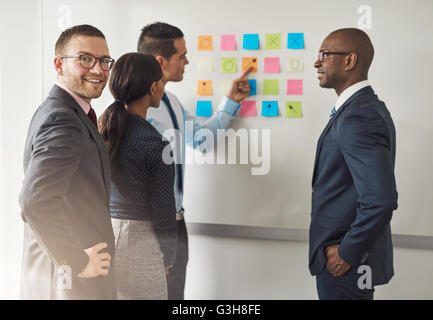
65	202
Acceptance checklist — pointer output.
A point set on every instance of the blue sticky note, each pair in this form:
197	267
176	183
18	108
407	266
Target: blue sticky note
270	109
251	41
253	86
295	41
204	108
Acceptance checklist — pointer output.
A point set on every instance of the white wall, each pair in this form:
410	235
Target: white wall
21	82
235	268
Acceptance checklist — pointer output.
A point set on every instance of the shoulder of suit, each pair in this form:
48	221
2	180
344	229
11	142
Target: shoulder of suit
55	111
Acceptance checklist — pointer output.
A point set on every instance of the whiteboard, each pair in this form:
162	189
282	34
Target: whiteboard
230	194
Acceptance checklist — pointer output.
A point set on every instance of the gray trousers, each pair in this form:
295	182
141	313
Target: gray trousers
139	263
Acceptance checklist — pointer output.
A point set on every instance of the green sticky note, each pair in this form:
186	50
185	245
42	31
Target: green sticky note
294	109
228	65
273	41
271	87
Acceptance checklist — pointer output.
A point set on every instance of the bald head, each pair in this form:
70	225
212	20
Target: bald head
352	39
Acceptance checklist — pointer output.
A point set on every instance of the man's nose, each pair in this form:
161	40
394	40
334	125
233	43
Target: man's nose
317	63
97	68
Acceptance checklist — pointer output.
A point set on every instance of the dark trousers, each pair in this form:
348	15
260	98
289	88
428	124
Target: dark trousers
342	288
176	277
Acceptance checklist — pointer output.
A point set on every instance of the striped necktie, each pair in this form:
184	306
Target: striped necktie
333	112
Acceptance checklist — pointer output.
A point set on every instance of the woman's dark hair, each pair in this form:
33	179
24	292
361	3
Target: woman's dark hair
131	78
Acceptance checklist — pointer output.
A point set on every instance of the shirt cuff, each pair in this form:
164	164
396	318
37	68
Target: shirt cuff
229	106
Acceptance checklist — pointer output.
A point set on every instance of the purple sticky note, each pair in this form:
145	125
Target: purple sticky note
228	42
248	109
294	86
272	65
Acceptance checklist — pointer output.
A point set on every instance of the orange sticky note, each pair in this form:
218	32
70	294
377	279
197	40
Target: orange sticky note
204	88
249	62
205	43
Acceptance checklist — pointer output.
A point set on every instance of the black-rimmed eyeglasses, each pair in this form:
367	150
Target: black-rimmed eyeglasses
323	54
88	61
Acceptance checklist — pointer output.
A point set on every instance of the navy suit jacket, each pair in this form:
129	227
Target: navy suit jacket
354	189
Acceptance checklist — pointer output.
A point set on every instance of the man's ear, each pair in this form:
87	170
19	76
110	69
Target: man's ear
350	61
58	65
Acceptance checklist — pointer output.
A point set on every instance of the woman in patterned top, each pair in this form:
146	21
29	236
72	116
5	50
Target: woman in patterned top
142	196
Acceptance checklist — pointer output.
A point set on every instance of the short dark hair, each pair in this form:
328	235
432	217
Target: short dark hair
79	30
131	78
157	39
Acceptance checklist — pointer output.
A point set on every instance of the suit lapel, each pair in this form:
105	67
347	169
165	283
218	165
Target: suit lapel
59	93
366	90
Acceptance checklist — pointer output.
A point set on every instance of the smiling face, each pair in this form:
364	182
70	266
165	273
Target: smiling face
87	83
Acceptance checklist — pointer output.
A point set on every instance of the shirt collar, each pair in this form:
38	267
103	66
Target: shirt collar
82	103
348	92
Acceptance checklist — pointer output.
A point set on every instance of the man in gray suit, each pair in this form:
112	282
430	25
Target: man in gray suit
68	237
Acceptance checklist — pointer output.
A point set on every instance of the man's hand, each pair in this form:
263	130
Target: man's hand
240	88
99	263
167	270
335	264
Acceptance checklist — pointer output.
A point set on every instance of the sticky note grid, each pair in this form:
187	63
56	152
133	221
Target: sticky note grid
274	76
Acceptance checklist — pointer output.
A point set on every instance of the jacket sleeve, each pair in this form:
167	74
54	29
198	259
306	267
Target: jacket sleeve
365	143
55	157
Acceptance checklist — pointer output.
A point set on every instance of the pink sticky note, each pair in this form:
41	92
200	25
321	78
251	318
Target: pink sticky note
248	109
228	42
272	65
294	86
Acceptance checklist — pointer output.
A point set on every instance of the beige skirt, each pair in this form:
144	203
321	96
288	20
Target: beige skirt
139	264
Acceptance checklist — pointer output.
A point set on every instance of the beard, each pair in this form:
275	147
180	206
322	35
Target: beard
84	88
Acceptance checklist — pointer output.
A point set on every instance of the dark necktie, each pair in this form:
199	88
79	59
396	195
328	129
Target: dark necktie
175	126
92	116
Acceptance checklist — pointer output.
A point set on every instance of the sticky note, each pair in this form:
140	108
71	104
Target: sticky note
204	108
273	41
295	64
205	43
205	65
228	42
294	86
272	65
225	85
251	41
295	41
249	62
253	86
204	88
271	87
248	109
228	65
269	108
293	109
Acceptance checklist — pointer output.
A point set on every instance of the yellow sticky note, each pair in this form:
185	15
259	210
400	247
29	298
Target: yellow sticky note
204	88
205	43
205	65
249	62
295	64
225	85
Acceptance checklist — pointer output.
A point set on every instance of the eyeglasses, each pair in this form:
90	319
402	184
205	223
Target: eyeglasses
322	54
88	61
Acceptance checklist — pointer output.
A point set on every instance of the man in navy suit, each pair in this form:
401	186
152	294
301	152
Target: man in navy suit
354	190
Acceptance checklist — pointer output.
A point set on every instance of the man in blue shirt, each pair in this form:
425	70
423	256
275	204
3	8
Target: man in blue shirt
167	44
